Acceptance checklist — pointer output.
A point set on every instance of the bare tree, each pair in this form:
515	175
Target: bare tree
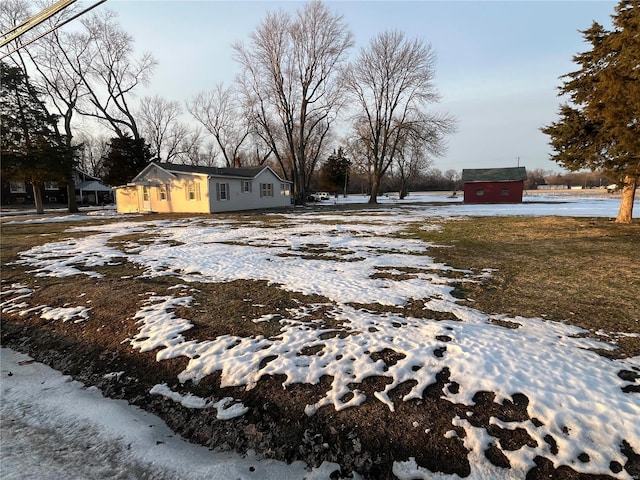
412	161
161	126
290	81
219	112
93	149
61	85
195	150
91	72
453	177
110	73
391	83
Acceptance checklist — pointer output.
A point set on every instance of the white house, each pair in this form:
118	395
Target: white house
168	187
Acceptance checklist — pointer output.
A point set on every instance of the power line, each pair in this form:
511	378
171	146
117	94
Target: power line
34	21
50	30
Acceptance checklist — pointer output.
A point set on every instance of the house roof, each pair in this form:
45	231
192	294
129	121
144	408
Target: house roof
510	174
173	168
94	186
217	171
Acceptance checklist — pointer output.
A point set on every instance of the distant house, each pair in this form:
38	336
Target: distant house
88	190
493	185
168	187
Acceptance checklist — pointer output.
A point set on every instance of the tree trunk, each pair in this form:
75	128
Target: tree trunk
375	186
37	197
71	195
625	214
404	191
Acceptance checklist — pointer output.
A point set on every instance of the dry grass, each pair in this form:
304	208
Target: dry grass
577	270
582	271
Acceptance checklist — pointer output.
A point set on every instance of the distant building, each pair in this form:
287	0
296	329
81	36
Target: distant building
493	185
173	188
88	190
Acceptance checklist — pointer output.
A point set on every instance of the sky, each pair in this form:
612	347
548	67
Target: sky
498	69
572	390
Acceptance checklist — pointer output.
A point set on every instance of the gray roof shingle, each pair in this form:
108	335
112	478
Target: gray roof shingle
510	174
227	172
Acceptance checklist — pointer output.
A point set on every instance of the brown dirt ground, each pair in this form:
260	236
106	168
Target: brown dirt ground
367	439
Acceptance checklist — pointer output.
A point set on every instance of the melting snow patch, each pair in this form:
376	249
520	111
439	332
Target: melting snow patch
66	314
570	388
188	400
228	410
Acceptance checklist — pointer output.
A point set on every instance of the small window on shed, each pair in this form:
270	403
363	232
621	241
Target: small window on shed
504	192
480	192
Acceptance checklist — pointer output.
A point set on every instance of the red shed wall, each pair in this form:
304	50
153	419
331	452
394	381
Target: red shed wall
493	192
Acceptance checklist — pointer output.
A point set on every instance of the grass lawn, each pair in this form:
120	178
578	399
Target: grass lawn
580	271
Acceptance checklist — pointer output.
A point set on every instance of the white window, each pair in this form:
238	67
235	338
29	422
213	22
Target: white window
284	189
266	189
192	192
51	185
17	187
163	192
145	193
222	191
246	186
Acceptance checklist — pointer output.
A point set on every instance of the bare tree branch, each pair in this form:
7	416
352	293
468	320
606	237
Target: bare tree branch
391	83
290	82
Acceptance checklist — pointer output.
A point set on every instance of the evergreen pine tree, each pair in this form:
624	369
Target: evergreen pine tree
32	150
600	129
334	173
125	158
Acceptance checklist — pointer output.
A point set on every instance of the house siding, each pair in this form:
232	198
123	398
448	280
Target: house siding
188	192
493	192
252	200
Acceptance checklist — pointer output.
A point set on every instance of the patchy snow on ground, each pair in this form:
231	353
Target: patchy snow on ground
53	427
575	393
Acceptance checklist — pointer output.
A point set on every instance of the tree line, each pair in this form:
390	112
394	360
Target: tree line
297	83
295	86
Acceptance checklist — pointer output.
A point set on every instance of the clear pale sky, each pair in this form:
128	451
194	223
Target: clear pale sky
497	72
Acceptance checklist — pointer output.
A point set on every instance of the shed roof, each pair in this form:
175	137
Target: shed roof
510	174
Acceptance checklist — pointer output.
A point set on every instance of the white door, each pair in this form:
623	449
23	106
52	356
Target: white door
146	199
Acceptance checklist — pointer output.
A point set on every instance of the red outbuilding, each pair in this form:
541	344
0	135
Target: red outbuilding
493	185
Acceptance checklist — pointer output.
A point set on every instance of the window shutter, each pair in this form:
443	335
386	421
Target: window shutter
218	191
228	191
198	191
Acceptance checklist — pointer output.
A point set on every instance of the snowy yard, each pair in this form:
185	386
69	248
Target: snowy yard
350	259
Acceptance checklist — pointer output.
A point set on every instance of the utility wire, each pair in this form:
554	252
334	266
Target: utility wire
34	21
50	30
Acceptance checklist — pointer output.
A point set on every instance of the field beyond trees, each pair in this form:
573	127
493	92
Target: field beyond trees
390	340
